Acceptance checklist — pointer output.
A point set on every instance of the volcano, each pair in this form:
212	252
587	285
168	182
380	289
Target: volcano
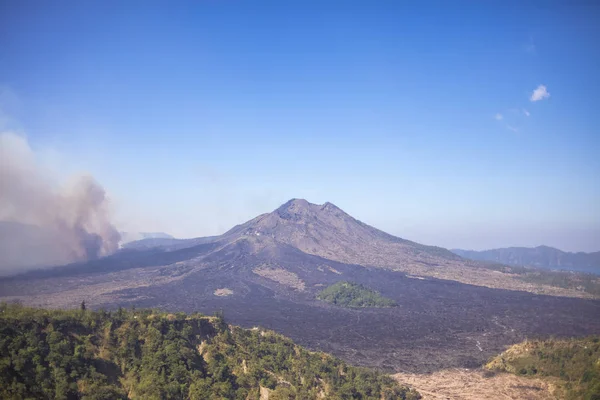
451	312
325	231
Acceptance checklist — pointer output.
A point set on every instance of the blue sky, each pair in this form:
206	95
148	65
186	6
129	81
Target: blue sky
415	117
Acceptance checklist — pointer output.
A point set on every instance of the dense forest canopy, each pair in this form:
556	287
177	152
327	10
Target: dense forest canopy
348	294
145	354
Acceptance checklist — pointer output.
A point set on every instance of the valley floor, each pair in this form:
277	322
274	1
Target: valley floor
437	325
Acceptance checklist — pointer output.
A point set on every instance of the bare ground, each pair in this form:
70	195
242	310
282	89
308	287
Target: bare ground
281	276
223	292
469	384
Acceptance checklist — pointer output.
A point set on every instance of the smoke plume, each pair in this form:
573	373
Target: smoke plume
43	224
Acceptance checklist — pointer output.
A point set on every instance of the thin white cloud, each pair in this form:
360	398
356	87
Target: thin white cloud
527	113
498	117
512	128
540	93
529	47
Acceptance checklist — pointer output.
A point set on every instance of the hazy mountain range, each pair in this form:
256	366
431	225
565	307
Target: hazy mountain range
539	257
128	237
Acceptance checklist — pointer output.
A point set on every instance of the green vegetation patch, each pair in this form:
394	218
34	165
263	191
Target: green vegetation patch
82	354
574	364
348	294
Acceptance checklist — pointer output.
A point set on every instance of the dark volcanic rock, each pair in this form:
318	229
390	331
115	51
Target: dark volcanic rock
437	324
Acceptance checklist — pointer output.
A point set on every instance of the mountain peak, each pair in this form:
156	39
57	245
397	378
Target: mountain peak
294	209
327	231
300	209
305	204
327	206
295	203
544	247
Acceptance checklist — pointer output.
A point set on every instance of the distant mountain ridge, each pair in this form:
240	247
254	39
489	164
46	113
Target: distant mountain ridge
539	257
127	237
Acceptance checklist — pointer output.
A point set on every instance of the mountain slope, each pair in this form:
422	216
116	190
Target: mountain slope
151	355
327	231
540	257
573	365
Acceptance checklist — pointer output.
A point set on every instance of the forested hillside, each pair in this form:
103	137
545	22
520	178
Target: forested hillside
573	365
152	355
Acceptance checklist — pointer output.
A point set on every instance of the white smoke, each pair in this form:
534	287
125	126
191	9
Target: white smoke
43	224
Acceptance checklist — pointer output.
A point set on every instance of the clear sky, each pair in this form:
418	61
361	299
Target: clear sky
461	124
